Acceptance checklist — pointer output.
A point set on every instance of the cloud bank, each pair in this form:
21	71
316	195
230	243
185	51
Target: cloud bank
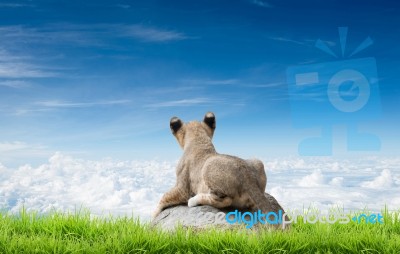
134	187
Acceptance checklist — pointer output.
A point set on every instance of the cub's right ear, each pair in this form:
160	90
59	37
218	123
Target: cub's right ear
175	124
209	119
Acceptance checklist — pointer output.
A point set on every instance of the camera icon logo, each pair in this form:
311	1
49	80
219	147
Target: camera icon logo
359	82
338	92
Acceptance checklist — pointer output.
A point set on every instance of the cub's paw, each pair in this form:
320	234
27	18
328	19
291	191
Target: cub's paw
192	201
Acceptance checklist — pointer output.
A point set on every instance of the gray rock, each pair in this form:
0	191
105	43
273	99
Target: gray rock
200	217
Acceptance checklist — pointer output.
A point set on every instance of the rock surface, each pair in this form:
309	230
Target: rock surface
200	216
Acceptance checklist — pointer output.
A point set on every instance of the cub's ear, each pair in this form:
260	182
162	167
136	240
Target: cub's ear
209	119
175	124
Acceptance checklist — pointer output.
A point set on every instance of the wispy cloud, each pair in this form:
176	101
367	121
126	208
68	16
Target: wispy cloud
52	105
261	3
210	82
304	42
184	103
21	151
18	84
10	150
71	34
64	104
15	66
123	6
12	146
15	5
18	54
86	35
152	34
283	39
25	111
23	70
92	32
268	85
232	82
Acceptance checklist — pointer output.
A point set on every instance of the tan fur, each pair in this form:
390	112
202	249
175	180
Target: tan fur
205	177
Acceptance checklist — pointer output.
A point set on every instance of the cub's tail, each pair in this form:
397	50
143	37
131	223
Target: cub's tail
266	203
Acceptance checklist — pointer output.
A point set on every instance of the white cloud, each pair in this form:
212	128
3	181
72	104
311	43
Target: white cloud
63	104
397	180
123	6
261	3
328	182
284	39
15	83
211	82
231	82
11	146
312	180
336	181
20	151
20	66
118	187
183	103
15	5
46	106
384	180
268	85
93	35
23	70
152	34
135	187
18	58
24	111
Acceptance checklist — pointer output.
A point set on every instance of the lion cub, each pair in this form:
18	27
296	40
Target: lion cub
205	177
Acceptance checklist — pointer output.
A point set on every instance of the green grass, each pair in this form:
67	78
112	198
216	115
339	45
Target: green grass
78	233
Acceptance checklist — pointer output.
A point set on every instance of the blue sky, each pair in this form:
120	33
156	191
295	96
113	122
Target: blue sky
102	78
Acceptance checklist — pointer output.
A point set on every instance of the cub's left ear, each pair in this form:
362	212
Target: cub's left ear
175	124
209	119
